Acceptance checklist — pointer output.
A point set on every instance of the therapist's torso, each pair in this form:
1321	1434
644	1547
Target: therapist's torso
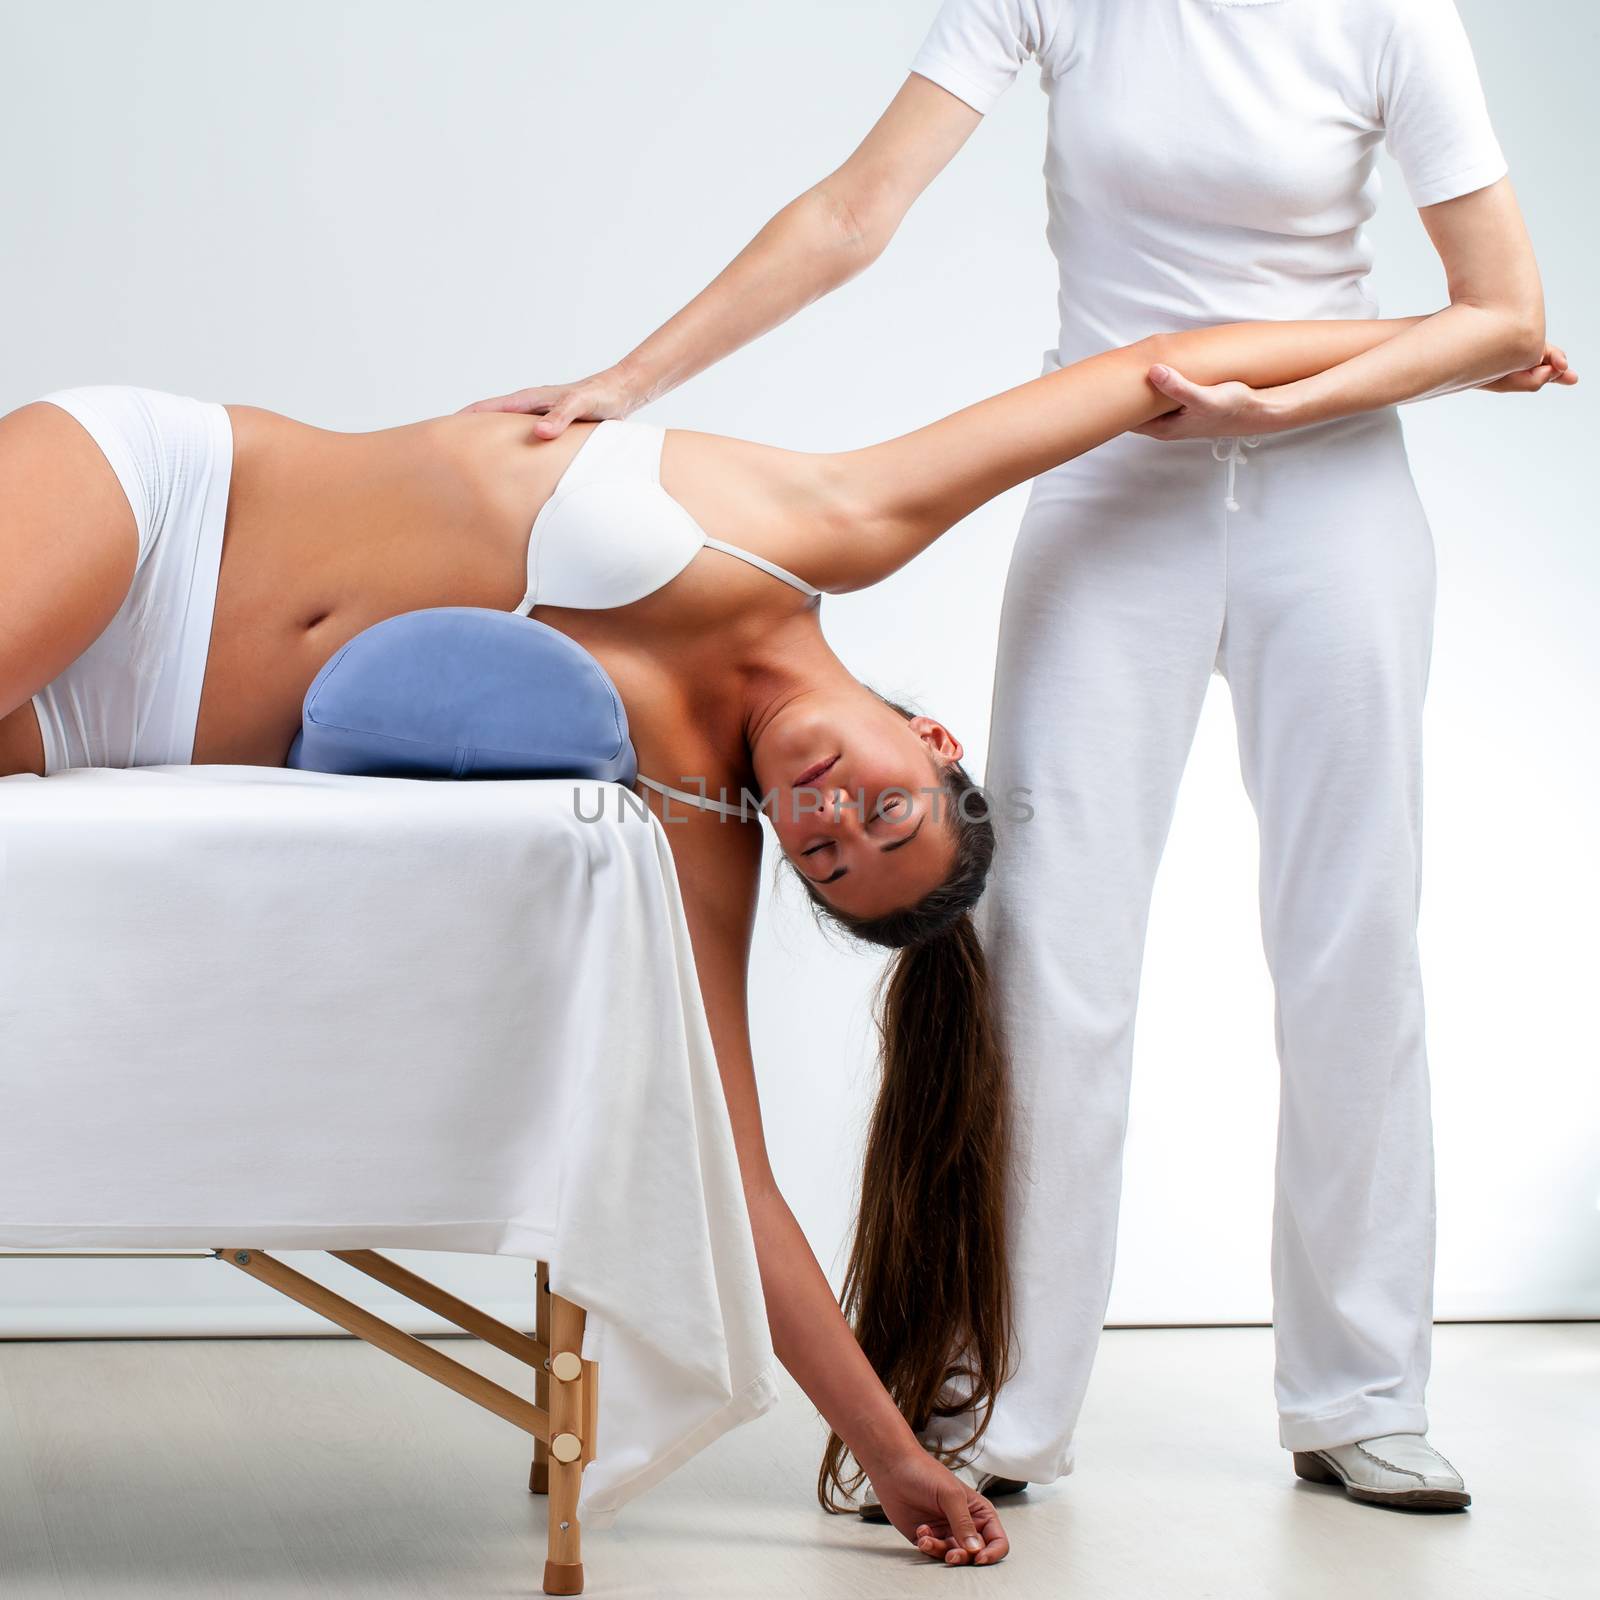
1213	160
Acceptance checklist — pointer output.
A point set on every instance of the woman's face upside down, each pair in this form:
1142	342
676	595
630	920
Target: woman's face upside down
855	798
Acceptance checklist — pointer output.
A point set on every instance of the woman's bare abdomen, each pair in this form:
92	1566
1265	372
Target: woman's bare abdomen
328	533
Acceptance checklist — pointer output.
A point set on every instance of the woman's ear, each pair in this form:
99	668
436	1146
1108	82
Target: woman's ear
937	737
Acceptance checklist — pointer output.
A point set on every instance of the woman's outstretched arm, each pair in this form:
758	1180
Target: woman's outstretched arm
902	494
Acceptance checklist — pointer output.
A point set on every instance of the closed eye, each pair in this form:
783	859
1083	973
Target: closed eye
894	844
838	872
901	843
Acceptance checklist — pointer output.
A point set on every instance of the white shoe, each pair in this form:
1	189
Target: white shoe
1394	1469
991	1485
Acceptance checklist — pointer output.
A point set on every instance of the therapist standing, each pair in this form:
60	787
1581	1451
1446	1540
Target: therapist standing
1208	161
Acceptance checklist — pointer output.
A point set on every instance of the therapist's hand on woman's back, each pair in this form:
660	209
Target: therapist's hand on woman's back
602	396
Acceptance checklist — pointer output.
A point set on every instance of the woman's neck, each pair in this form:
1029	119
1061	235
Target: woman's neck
789	664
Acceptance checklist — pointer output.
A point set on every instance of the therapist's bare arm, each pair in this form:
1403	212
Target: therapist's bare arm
820	240
1491	335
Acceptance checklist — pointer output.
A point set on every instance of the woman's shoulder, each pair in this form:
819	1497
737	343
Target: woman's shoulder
717	855
687	739
688	779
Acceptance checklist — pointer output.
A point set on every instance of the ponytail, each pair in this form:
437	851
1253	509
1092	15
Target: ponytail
927	1289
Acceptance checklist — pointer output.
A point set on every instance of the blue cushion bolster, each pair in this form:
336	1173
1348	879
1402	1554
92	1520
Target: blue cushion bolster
459	692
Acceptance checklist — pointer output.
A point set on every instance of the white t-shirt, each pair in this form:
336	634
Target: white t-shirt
1212	160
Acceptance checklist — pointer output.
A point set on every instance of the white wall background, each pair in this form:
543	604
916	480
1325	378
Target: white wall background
365	213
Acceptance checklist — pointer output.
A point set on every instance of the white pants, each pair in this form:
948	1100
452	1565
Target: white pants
1131	584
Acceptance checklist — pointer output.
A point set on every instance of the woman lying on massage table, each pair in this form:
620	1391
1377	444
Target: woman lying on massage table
175	574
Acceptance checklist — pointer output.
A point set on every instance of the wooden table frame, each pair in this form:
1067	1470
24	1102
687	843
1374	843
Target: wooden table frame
562	1421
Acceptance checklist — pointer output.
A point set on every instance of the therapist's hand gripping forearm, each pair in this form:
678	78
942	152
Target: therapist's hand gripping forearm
1491	335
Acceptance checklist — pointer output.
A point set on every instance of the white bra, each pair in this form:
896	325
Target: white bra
610	534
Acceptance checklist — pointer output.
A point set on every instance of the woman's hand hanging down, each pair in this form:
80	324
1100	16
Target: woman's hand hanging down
938	1513
597	398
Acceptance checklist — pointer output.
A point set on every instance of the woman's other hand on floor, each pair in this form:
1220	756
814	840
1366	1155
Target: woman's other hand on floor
593	399
943	1517
1552	368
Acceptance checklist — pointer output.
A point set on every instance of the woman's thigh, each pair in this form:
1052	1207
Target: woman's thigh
69	546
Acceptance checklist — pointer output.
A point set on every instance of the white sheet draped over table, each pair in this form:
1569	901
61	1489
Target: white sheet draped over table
250	1006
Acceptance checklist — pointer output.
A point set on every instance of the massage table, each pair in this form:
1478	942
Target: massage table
248	1009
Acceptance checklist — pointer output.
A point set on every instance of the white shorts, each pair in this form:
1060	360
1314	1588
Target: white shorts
133	697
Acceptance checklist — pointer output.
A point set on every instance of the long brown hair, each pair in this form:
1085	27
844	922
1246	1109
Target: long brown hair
928	1288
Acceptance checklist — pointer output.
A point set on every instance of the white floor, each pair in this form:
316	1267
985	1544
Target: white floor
320	1467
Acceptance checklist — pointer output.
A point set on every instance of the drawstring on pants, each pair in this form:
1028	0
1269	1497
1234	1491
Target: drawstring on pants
1234	456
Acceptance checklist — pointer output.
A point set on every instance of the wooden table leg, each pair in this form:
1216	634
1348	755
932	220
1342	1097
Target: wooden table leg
568	1386
539	1472
571	1446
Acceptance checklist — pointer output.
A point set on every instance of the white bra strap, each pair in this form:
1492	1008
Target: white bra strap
766	566
699	801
